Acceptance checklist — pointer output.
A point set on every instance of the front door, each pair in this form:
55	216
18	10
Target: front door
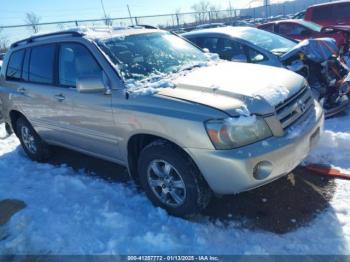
89	123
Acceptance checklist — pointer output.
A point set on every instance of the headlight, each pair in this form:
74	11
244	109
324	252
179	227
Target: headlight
231	133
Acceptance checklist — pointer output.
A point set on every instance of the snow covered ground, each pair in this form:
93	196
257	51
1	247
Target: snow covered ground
69	212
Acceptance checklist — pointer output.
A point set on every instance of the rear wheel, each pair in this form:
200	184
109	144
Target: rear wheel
171	180
33	145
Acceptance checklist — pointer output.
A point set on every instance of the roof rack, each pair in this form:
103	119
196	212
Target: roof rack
144	26
34	37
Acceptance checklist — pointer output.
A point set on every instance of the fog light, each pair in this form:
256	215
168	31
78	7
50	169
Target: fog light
262	170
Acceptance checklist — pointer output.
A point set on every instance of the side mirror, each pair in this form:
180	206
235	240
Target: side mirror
90	84
206	50
328	30
240	58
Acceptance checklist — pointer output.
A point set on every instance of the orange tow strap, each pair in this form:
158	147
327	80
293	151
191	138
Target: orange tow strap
325	170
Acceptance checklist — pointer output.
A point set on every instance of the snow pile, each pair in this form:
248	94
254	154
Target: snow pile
240	121
274	95
147	87
334	145
156	81
212	56
243	111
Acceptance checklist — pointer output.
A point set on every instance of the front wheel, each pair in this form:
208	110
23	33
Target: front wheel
171	180
33	145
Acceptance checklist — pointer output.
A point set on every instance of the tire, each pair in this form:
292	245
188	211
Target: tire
33	145
171	180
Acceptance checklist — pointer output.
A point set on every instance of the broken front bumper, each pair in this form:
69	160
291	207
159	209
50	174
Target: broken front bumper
234	171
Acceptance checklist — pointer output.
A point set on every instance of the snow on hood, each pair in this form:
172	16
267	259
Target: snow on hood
153	83
230	84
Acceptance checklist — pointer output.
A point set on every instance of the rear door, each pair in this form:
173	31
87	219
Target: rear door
42	102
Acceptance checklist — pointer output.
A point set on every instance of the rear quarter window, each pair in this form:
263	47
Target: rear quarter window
14	68
321	13
268	27
342	11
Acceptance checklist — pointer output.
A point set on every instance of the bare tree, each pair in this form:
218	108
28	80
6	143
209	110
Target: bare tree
4	42
33	20
106	17
107	20
178	16
214	12
201	8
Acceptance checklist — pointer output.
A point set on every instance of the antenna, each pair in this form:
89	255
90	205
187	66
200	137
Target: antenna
132	22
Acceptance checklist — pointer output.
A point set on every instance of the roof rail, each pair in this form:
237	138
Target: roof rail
144	26
32	38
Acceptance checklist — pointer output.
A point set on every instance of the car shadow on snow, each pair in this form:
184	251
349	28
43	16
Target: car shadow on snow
279	207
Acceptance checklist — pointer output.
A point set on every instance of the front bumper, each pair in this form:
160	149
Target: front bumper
231	171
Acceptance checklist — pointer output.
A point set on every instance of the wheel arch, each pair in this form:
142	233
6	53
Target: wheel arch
138	142
14	116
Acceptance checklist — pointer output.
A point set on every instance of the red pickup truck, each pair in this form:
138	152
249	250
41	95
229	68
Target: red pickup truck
300	29
329	14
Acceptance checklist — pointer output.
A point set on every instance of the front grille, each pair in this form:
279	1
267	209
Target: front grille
294	107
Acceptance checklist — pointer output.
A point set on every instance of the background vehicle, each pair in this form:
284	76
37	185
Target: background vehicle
317	64
152	107
211	25
300	30
328	14
240	23
299	15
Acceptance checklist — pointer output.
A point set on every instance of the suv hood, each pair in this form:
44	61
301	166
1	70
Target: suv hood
228	86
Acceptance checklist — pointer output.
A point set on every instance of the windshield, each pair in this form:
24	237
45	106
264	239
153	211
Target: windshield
311	25
269	41
142	55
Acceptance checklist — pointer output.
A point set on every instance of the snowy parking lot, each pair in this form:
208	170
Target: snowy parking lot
79	205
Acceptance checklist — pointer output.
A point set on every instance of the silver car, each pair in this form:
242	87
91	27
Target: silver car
243	44
184	125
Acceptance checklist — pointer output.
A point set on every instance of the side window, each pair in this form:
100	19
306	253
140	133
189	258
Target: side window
14	68
196	41
291	29
254	56
341	11
41	64
230	50
268	27
75	61
321	13
211	43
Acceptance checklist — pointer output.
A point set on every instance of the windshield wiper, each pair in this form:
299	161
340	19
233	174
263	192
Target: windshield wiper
190	67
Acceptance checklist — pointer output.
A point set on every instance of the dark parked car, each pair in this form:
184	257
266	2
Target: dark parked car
299	15
300	30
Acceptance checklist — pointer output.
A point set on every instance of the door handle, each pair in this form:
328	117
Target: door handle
60	97
21	90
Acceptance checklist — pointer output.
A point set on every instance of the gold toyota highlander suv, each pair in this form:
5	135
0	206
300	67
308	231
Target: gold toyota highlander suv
185	125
